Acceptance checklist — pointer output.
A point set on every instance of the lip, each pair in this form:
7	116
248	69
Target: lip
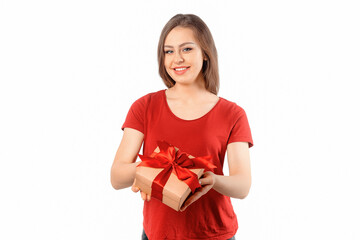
181	72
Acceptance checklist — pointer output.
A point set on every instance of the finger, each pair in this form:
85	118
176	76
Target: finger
148	197
143	196
205	189
134	188
206	179
187	203
203	181
191	199
198	194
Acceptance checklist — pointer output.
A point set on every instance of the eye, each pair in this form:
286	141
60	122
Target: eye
168	51
187	49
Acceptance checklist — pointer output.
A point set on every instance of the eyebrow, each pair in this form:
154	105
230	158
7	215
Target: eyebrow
180	44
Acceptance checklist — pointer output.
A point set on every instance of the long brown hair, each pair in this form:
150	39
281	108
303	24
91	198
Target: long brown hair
210	69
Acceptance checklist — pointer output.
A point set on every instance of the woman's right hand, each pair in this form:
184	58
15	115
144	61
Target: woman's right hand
144	196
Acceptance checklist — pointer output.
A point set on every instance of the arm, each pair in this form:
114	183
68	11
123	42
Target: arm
124	165
238	184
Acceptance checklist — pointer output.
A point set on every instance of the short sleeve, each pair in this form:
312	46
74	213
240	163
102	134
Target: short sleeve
241	130
136	116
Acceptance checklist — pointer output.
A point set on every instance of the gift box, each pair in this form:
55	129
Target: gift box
170	175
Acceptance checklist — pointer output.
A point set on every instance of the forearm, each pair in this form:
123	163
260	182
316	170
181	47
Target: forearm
123	175
236	186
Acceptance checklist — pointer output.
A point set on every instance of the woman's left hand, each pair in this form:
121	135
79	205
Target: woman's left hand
207	181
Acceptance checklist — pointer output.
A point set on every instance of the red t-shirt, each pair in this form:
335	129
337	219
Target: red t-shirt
212	216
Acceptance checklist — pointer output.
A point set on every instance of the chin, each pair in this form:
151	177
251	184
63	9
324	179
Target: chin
183	81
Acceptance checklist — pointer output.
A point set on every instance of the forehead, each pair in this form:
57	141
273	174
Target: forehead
180	35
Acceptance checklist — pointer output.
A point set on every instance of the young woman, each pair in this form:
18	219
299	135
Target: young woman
189	115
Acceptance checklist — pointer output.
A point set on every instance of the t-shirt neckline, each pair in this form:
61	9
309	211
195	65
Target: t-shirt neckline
185	120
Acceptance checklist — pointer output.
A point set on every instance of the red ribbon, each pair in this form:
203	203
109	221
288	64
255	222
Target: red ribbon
177	162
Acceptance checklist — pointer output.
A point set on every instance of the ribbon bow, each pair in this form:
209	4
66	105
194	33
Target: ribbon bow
177	162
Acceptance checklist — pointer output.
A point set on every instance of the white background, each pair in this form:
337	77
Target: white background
70	71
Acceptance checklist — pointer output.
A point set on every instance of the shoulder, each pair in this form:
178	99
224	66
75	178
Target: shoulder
230	107
147	98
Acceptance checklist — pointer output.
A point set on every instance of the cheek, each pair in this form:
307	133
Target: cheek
199	59
167	66
166	62
199	62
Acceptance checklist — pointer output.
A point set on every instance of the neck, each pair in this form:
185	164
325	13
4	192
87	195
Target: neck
189	92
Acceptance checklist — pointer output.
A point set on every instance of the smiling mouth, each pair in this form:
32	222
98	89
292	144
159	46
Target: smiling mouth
181	69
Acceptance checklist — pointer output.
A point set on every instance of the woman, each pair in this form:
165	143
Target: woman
190	116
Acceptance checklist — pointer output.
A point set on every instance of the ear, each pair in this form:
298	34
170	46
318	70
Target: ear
204	57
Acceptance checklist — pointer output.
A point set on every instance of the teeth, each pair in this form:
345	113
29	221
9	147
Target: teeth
180	69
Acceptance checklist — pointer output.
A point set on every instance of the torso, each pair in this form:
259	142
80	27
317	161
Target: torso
191	111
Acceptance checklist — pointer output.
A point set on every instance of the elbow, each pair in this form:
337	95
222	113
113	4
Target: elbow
243	196
115	183
245	193
122	175
118	186
115	186
119	183
242	187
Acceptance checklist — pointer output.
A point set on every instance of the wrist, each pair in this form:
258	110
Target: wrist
215	179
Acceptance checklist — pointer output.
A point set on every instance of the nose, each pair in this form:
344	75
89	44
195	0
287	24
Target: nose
178	57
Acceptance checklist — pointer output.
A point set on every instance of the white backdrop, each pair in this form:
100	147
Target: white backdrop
70	71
